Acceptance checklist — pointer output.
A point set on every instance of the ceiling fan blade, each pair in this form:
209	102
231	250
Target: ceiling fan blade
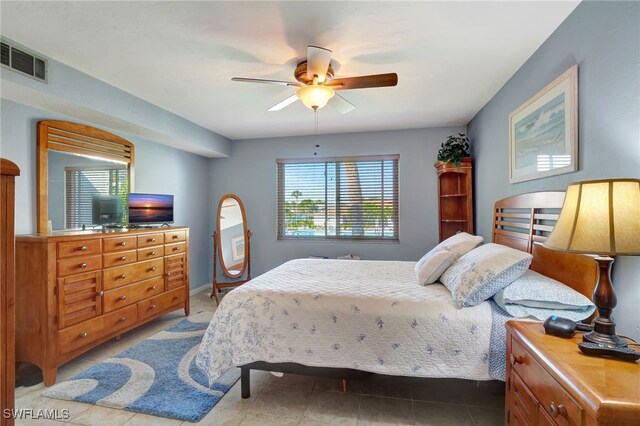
259	80
318	59
364	81
341	104
277	107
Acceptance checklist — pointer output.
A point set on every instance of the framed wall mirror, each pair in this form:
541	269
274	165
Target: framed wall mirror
231	243
83	178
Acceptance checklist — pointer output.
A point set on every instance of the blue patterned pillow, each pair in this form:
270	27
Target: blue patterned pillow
534	295
482	272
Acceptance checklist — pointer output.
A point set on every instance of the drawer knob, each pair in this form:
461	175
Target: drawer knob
152	269
175	237
515	359
176	248
123	243
153	253
152	240
85	334
83	248
122	276
123	258
83	265
100	293
123	297
153	287
168	274
557	410
153	306
122	319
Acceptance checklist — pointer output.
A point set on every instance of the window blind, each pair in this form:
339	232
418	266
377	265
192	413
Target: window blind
82	183
352	198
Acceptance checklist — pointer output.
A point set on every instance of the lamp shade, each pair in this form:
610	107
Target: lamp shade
599	217
315	96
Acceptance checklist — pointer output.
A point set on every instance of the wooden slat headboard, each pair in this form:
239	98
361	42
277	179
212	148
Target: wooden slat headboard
525	221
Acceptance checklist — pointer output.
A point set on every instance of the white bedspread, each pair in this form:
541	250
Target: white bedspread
367	315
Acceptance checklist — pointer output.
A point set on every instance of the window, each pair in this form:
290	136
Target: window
353	198
81	183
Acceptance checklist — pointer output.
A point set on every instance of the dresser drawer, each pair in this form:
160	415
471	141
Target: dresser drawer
150	239
132	293
523	405
150	252
77	265
78	298
170	249
118	258
150	307
79	248
89	331
553	398
175	269
119	244
123	275
175	236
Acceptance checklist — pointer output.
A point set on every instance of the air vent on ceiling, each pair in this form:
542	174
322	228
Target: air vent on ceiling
19	60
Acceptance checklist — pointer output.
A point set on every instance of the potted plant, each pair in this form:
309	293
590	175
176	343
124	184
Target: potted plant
454	149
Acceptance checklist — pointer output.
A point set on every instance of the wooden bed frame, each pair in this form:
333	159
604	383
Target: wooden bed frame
523	222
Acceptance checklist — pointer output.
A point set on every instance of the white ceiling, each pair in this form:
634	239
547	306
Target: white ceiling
451	57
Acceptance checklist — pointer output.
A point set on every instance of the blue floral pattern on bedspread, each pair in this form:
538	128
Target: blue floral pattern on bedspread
366	315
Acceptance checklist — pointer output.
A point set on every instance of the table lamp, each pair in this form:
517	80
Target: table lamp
600	217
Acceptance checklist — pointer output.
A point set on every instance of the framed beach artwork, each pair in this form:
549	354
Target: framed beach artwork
237	248
543	132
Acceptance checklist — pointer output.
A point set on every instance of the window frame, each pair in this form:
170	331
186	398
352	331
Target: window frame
281	200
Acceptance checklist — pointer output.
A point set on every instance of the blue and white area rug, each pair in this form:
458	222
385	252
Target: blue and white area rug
157	376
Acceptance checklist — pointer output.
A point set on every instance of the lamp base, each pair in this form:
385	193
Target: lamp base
604	339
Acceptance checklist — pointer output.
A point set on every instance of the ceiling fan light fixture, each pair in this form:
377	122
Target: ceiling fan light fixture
315	96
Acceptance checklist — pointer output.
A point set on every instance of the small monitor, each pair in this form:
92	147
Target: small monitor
106	209
150	208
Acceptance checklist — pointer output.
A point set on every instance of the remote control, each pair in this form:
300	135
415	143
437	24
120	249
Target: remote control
610	350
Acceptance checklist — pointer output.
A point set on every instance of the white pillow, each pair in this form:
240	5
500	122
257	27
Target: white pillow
534	295
484	271
460	243
432	265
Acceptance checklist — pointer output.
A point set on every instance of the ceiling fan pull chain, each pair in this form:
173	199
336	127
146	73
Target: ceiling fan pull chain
315	116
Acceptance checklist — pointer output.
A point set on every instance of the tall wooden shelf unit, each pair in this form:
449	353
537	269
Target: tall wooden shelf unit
455	198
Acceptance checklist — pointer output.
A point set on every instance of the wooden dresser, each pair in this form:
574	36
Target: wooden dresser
8	172
550	382
76	290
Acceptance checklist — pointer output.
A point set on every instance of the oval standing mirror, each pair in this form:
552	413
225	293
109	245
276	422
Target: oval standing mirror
232	231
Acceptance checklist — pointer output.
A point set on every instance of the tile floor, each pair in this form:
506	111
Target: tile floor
287	400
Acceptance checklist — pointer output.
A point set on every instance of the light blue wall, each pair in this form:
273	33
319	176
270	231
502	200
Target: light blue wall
159	169
250	173
603	39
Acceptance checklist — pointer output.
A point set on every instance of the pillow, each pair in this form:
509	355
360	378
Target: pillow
534	295
460	243
484	271
432	265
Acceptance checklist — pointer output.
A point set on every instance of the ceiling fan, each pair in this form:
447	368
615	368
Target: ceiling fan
316	83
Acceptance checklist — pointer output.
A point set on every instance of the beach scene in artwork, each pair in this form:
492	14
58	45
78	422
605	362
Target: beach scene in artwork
541	134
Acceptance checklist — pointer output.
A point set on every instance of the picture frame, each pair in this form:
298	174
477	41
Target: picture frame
237	248
543	132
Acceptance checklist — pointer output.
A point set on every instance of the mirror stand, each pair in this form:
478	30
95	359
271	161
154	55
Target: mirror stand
226	284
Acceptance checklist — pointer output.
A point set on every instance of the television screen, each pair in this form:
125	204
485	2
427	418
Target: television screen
150	208
106	209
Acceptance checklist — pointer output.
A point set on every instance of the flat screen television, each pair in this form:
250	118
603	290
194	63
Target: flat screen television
106	209
150	208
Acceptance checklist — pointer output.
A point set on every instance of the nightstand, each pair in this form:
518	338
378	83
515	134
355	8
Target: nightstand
550	382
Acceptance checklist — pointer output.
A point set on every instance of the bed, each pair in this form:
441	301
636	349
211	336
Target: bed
352	319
